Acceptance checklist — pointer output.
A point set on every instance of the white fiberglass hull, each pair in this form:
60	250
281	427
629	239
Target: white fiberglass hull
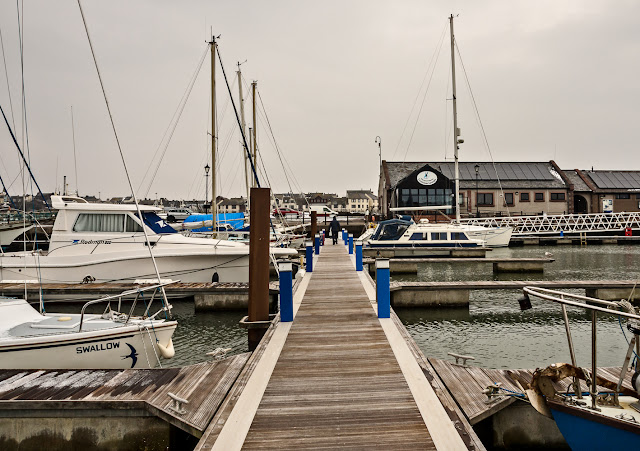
493	236
121	347
124	267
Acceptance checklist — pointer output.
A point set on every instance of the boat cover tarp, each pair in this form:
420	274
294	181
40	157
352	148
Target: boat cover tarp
236	220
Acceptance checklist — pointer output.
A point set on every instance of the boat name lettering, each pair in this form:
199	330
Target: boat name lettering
91	241
98	347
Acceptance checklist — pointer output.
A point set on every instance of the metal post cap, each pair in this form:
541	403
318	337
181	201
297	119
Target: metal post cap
358	242
285	266
308	243
382	263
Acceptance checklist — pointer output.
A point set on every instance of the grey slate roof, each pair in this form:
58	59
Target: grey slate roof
578	183
523	175
615	179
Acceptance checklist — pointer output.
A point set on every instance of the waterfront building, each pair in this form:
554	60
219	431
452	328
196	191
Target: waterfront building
508	188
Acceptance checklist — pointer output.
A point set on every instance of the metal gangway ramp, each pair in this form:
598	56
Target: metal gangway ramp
569	223
338	377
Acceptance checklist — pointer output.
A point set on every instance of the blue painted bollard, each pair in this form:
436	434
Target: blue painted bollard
317	243
344	237
351	244
309	256
359	255
286	292
383	293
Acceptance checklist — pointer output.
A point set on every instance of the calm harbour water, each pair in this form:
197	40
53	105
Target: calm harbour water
493	329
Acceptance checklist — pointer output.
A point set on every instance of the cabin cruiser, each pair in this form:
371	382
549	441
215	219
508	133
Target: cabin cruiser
106	243
32	339
406	233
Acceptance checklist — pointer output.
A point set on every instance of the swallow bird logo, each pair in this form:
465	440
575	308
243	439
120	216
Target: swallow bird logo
133	356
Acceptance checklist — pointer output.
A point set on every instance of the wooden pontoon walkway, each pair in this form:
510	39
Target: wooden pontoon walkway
338	378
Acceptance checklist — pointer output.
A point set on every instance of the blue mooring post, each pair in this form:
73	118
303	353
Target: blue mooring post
383	293
309	256
359	255
344	236
286	292
317	243
351	244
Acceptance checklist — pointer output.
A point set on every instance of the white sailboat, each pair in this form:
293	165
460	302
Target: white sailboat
427	234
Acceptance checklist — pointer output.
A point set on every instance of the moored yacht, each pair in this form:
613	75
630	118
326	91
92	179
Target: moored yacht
406	233
36	340
106	243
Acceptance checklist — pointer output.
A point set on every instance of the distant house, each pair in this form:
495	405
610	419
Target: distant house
361	201
232	205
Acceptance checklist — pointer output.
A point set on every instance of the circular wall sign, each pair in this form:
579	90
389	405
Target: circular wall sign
427	178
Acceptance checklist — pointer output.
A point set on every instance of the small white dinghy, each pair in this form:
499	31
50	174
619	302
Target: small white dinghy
113	340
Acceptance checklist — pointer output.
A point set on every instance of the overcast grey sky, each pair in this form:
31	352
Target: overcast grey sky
552	80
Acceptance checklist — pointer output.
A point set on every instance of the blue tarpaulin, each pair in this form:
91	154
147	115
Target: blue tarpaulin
236	220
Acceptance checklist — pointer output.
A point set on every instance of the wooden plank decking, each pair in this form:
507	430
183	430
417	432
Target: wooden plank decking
337	382
204	385
465	383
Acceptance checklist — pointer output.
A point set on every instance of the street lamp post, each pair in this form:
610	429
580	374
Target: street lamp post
206	183
477	168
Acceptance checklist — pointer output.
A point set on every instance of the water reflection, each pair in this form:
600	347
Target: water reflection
499	335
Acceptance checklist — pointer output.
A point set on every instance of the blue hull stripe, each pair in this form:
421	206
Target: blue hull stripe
451	245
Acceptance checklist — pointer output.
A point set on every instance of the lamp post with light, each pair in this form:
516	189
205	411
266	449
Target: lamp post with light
206	184
379	142
477	168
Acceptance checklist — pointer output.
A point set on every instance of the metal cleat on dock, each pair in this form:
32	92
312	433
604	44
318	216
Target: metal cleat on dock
459	357
177	404
493	393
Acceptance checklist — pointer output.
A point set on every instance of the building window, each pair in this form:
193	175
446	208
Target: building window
420	197
539	197
485	199
623	196
557	196
524	197
508	199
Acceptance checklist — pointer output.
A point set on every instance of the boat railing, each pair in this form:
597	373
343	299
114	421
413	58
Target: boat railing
576	300
135	291
621	308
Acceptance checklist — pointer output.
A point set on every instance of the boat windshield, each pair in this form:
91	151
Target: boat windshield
156	223
391	230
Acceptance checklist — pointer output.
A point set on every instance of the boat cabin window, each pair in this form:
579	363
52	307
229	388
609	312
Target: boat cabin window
459	236
99	222
417	236
438	236
131	225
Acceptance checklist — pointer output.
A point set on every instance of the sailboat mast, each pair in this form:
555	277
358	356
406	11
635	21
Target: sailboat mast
456	131
243	125
213	136
255	127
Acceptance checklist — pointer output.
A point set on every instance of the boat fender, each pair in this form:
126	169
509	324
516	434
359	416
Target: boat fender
215	278
167	351
635	381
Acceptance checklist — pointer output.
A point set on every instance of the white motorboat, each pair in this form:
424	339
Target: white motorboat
106	242
114	340
406	233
